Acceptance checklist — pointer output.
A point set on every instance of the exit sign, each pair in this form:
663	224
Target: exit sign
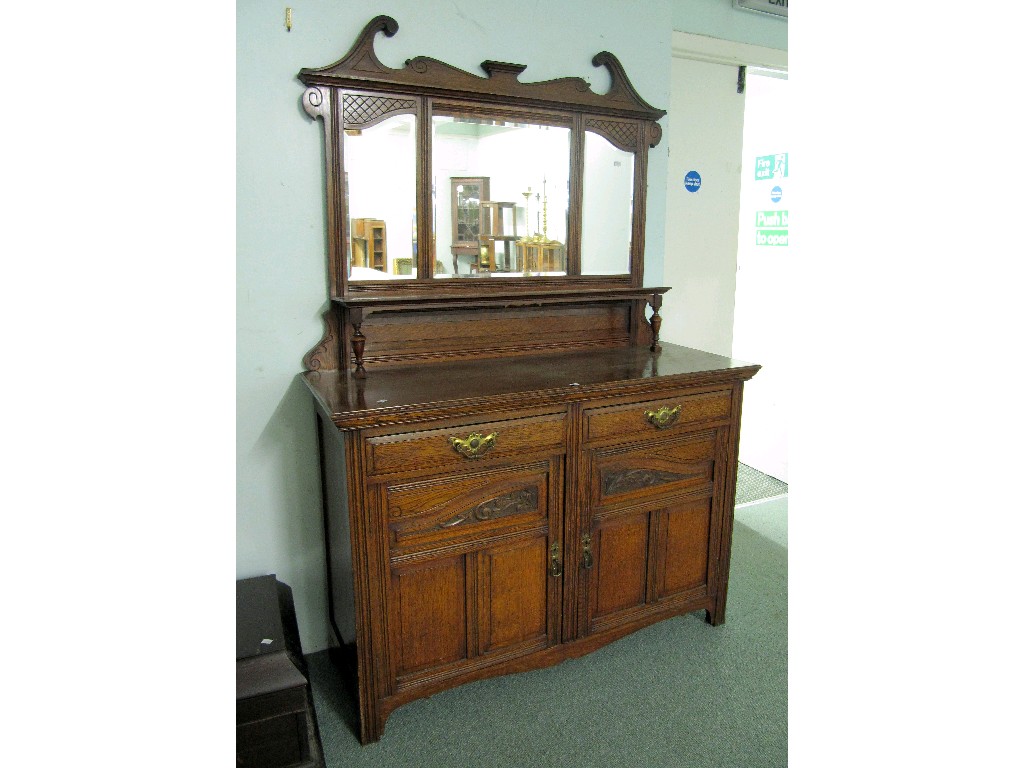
778	8
771	166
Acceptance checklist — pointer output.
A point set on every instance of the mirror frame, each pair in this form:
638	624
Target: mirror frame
424	85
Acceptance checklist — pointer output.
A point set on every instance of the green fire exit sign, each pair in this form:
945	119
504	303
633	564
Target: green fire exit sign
770	166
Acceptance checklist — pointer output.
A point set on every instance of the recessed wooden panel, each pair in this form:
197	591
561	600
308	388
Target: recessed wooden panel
453	508
514	594
394	336
430	614
414	450
625	475
685	532
619	574
624	423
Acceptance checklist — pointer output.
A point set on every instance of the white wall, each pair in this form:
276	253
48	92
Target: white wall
721	20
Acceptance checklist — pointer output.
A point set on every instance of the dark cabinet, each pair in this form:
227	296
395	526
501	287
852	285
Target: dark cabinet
275	722
467	194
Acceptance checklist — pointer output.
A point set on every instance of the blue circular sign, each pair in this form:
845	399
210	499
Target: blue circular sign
776	194
692	181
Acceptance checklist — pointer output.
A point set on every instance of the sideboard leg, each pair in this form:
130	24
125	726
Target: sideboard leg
371	728
716	616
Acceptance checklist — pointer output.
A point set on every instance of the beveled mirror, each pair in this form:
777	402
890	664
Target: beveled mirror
607	206
510	201
439	177
380	194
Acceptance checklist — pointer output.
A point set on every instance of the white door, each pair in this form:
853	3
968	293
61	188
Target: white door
705	135
762	290
703	233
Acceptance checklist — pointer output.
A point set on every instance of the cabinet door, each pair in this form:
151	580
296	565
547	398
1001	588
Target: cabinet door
653	529
471	582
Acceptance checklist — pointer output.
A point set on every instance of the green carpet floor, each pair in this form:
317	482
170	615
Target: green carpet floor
754	485
681	693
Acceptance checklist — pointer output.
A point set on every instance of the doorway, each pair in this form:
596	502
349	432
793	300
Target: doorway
760	327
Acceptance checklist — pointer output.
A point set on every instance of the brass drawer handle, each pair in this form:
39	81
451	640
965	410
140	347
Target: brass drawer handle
474	446
664	416
588	558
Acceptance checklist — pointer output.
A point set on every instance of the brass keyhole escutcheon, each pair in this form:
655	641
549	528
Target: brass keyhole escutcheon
588	557
556	566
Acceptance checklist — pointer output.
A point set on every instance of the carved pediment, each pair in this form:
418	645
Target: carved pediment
361	67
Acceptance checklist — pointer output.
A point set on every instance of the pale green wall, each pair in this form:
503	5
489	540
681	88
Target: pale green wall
718	18
281	286
281	283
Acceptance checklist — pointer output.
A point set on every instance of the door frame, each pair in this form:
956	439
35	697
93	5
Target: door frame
711	50
715	51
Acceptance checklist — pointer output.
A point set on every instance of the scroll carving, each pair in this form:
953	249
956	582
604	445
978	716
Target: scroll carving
625	480
423	74
514	503
653	134
622	89
315	104
324	356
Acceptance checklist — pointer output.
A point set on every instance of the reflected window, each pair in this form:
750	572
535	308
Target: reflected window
380	175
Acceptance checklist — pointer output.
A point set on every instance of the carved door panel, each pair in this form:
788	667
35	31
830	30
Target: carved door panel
471	582
651	528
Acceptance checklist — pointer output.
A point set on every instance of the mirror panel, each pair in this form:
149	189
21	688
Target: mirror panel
607	207
380	191
501	197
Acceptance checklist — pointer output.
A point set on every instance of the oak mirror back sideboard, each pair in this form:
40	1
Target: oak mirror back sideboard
515	469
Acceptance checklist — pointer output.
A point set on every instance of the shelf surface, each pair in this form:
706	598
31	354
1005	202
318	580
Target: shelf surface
394	394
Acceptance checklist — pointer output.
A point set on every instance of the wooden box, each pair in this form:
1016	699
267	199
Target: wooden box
275	721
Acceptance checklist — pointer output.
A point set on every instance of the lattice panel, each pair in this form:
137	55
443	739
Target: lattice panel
623	135
361	111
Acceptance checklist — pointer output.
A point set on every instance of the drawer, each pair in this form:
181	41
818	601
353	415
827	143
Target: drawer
652	418
468	507
459	449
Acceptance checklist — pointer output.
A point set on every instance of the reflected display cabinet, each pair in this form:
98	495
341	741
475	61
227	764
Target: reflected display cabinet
516	470
371	237
467	194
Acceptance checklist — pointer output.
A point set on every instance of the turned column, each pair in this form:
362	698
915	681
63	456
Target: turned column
655	302
358	340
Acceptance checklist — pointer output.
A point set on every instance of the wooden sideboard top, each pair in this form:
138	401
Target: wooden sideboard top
467	292
413	393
